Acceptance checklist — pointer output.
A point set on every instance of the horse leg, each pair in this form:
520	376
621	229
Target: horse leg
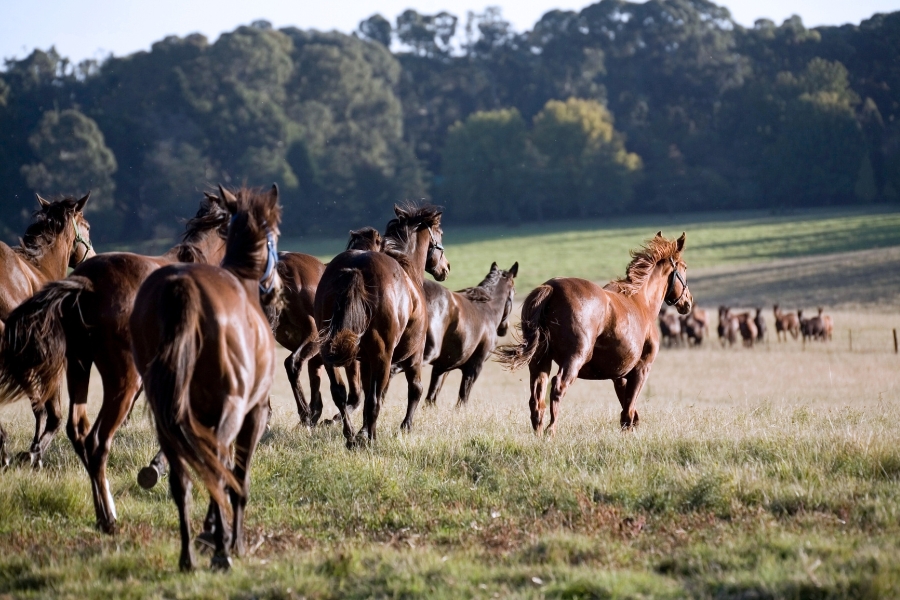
293	364
435	385
354	382
559	385
52	419
120	387
78	377
4	456
539	372
379	378
413	373
336	383
628	389
470	372
180	486
221	561
314	369
149	475
245	445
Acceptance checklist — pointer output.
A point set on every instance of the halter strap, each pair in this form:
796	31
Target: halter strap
81	240
670	288
271	262
434	242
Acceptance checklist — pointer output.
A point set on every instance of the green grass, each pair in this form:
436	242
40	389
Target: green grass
598	249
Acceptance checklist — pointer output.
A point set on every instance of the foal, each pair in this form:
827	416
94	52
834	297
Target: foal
204	347
463	328
59	237
599	333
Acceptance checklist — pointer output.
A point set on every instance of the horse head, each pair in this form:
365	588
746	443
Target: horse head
677	292
62	220
415	239
508	277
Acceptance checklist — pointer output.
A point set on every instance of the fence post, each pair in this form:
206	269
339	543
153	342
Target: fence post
850	337
895	341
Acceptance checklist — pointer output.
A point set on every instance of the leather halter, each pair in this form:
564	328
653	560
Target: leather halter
434	245
670	288
271	261
81	240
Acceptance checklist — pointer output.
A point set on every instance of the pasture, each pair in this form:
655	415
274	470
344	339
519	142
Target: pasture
764	473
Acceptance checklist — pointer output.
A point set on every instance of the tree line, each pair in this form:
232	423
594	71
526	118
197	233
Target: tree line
618	108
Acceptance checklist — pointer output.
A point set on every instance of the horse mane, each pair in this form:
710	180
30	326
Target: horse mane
643	261
411	217
49	222
483	292
255	217
210	215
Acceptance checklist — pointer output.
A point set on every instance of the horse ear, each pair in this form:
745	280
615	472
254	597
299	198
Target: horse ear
680	242
212	198
44	203
79	206
514	270
494	267
273	195
659	234
229	199
401	214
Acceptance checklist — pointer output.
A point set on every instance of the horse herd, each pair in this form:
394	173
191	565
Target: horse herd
196	329
749	328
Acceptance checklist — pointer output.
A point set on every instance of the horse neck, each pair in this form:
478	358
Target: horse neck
417	256
653	291
54	260
209	245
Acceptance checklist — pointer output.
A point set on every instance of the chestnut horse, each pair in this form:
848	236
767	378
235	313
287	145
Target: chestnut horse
83	320
371	307
59	237
599	333
463	328
785	323
296	329
203	345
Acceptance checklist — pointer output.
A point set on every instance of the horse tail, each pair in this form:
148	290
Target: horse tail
167	382
33	347
352	311
534	339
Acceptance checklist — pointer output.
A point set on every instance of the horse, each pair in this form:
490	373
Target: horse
670	328
599	333
82	320
463	328
297	331
371	307
203	345
760	323
58	238
728	327
827	325
747	328
785	323
694	325
812	328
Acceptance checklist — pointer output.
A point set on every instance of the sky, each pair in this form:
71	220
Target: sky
95	28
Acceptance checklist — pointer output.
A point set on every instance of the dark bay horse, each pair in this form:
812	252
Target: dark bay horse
463	328
58	238
371	307
297	331
82	320
599	333
203	345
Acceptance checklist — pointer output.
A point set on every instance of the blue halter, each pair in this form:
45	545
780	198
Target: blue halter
271	261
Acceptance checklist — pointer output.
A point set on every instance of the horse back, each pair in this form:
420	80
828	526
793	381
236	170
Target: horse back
19	280
300	274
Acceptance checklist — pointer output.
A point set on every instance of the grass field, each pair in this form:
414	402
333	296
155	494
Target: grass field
764	473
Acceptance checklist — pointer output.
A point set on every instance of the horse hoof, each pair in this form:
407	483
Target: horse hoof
148	477
109	528
221	562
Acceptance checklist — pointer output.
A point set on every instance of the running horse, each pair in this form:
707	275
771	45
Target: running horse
204	347
595	332
463	328
82	320
370	307
58	238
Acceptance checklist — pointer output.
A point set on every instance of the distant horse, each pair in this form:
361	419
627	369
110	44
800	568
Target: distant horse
463	328
694	325
729	327
747	328
760	323
82	320
599	333
812	328
371	307
203	345
297	331
670	328
827	325
785	323
59	237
